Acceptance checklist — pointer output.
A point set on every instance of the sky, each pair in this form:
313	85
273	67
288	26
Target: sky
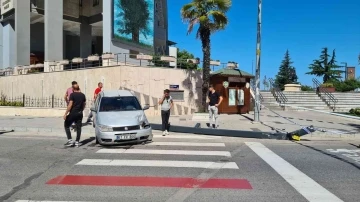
303	27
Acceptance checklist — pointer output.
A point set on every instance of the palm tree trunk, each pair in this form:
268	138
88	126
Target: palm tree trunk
205	40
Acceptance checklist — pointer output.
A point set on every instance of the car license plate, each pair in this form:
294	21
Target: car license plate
125	137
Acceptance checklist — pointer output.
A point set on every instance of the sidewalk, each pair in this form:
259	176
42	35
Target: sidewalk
333	125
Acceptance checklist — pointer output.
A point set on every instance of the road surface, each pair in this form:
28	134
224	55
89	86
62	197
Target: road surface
180	167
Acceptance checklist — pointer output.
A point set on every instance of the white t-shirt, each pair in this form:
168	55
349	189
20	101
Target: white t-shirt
166	104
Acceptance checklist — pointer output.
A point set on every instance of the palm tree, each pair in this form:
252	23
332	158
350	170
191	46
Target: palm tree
210	15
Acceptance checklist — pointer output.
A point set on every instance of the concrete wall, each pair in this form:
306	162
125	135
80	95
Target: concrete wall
148	84
89	10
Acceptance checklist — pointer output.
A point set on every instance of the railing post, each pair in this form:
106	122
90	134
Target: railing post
52	100
23	98
125	59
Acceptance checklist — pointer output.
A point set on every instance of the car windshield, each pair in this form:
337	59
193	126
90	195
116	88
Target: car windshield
129	103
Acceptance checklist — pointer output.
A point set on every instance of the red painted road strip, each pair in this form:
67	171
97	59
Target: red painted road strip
150	182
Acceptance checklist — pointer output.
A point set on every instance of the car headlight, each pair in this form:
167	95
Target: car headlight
144	125
104	128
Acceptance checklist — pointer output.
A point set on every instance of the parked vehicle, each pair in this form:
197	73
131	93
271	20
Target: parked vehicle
119	118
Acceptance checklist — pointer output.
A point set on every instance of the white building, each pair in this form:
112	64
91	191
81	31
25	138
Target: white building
53	30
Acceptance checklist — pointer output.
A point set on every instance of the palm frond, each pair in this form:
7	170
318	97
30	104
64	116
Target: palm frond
219	19
222	5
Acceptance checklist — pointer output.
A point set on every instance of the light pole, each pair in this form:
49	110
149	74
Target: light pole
257	73
345	65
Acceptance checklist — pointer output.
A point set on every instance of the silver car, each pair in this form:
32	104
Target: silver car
119	118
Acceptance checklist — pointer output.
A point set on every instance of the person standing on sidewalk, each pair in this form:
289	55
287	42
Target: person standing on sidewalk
74	113
96	93
215	100
166	103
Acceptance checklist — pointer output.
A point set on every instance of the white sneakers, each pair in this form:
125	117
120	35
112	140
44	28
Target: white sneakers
165	133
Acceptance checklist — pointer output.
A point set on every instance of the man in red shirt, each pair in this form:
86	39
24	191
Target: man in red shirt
97	91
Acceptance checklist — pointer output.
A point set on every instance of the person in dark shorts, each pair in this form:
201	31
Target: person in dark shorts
166	103
215	100
74	113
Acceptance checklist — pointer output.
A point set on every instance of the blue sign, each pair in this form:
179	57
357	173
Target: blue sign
174	87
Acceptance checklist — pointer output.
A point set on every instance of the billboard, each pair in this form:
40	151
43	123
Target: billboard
133	22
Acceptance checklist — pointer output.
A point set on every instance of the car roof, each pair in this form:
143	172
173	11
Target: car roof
116	93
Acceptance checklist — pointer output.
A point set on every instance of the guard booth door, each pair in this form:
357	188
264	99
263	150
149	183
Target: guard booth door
233	101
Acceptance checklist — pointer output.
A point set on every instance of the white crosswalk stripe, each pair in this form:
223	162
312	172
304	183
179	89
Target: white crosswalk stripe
170	152
198	137
187	144
158	163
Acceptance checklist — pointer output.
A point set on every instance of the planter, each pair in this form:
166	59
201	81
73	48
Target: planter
77	60
215	63
168	59
193	61
144	57
327	89
39	65
93	58
232	65
107	56
63	62
292	87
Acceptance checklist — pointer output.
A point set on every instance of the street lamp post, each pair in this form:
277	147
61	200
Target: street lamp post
345	65
257	71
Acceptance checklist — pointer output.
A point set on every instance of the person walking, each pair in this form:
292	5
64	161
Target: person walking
96	92
74	113
215	100
166	103
68	92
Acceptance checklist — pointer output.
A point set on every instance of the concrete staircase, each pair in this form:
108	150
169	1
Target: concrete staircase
305	99
346	101
269	101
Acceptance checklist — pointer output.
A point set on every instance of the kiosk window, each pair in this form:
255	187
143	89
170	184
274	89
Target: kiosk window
177	94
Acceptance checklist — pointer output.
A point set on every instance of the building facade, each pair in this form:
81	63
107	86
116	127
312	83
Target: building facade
37	31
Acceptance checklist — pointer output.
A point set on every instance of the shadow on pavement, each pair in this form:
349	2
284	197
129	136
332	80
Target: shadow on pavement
84	142
331	155
3	131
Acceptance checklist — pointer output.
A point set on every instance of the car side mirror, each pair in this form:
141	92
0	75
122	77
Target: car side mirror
146	107
92	109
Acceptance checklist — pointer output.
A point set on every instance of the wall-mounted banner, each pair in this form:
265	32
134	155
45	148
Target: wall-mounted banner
6	6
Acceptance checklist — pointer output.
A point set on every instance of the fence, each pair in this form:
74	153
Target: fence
116	59
27	101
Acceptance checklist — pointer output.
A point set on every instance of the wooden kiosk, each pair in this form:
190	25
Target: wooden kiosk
234	85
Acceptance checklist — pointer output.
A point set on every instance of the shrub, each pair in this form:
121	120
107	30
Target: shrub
347	85
327	85
355	111
306	88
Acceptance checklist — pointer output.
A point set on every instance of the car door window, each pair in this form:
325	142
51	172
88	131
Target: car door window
97	101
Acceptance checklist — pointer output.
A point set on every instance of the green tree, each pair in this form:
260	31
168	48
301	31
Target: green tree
326	67
287	73
182	57
211	17
135	17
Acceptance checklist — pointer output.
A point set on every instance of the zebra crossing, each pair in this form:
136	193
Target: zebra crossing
175	161
149	156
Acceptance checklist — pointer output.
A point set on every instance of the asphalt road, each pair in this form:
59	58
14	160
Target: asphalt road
180	167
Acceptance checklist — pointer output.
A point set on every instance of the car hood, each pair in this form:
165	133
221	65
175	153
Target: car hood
122	118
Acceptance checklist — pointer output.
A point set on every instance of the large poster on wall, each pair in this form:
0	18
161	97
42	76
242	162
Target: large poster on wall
133	22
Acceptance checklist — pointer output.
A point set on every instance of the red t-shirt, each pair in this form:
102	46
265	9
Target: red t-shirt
97	91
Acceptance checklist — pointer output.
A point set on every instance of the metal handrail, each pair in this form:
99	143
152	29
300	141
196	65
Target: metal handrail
323	91
277	93
253	88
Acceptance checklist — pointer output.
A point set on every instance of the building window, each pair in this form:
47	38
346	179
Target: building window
96	2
